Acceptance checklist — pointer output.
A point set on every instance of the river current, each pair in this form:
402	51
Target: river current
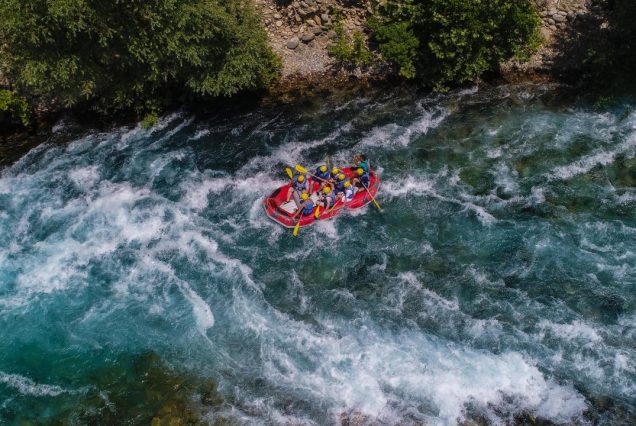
140	277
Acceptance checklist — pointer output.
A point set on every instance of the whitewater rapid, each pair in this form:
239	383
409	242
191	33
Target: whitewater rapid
498	281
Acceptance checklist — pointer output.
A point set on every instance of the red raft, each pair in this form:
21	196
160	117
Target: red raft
282	212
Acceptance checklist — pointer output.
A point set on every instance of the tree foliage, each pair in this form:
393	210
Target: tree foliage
123	54
13	109
349	51
453	41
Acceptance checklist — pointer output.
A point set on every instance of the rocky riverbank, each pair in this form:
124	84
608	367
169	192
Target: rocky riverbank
569	29
300	31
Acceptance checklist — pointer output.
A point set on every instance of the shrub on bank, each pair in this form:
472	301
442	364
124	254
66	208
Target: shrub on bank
132	55
13	110
444	42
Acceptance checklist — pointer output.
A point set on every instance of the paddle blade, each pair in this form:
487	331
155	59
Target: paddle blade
317	212
300	169
289	172
296	228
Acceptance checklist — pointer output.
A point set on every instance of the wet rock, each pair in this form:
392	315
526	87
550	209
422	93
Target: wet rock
307	37
293	43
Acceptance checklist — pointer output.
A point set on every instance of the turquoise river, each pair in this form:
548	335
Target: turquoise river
141	282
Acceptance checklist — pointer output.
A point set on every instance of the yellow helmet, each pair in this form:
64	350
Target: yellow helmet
304	196
341	176
301	178
360	171
326	190
323	168
335	171
347	184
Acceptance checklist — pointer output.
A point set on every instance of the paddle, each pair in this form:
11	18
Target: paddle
372	197
297	227
303	170
317	212
289	172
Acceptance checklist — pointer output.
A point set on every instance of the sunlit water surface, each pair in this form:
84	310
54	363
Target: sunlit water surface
139	276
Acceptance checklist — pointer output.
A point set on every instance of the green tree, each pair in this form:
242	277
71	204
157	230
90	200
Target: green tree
349	51
13	109
447	42
129	54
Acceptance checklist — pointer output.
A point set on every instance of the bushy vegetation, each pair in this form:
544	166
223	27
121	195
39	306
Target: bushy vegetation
444	42
349	51
132	55
13	109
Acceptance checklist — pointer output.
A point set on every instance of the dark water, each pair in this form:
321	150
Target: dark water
139	277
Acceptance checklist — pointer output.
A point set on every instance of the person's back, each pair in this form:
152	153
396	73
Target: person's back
322	173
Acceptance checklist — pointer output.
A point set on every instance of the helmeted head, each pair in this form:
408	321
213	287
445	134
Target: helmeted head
326	190
301	178
304	196
323	169
347	184
360	171
341	176
335	171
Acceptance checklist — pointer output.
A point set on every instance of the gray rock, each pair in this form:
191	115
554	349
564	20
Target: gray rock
279	23
293	43
295	5
277	16
307	37
324	17
558	18
298	19
551	21
316	30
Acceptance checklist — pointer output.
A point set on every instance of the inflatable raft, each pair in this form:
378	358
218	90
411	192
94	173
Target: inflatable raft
283	212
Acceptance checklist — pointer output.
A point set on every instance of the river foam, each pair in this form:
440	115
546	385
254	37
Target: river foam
495	284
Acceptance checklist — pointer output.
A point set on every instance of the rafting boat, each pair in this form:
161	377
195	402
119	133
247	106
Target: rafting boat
282	211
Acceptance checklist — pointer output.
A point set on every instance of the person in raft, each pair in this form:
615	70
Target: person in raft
298	187
361	178
306	207
339	184
333	177
349	192
322	176
360	161
327	198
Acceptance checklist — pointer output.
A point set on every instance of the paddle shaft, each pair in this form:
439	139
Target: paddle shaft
372	197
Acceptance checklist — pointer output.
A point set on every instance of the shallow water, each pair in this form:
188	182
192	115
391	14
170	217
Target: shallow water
139	276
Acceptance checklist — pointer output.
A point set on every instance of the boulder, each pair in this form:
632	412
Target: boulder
293	43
